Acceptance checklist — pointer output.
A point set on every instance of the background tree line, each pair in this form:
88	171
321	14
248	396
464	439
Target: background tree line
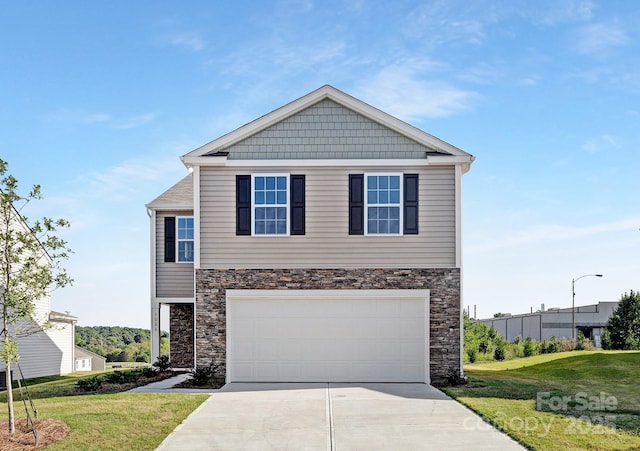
120	344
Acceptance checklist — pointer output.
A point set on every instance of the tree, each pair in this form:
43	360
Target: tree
624	324
30	257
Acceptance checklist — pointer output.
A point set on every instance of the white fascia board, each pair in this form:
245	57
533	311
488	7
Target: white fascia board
436	160
331	93
170	207
375	162
190	161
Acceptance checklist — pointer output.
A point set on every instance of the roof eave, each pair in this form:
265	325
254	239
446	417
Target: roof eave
325	92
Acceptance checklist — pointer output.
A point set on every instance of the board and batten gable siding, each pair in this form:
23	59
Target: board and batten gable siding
326	130
327	243
173	280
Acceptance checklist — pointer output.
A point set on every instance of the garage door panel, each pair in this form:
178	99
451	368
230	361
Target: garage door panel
264	329
289	350
411	352
318	339
412	328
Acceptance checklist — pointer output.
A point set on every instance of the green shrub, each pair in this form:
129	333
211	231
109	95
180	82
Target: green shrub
549	346
149	371
580	342
204	375
530	347
472	354
201	375
162	364
605	339
499	353
92	383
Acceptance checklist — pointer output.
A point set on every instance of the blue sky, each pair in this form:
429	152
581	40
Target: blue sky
99	99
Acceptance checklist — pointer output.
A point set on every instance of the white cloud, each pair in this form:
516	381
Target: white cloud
136	121
442	21
82	117
529	80
593	75
188	40
545	233
78	116
405	90
92	118
601	143
133	178
561	11
600	38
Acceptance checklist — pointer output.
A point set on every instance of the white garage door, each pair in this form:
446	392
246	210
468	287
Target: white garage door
327	335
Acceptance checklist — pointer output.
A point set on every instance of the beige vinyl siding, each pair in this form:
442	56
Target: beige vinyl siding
327	243
173	280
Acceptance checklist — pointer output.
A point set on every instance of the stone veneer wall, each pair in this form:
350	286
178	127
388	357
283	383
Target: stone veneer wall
181	335
444	306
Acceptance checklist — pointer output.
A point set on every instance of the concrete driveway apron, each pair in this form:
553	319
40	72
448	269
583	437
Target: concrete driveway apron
335	416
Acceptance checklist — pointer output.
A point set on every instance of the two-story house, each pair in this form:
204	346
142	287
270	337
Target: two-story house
45	339
320	242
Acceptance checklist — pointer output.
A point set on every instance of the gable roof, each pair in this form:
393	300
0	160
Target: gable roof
215	150
178	197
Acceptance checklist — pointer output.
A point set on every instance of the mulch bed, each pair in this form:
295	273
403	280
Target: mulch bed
212	384
116	388
49	431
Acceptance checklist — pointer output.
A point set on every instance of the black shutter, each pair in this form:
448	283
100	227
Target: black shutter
297	197
411	204
170	239
356	204
243	205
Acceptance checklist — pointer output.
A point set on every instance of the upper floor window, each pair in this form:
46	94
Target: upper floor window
270	204
383	204
185	238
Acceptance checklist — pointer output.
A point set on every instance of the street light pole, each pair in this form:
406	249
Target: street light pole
573	302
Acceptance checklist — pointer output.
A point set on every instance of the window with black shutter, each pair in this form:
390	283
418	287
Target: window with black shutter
270	204
383	204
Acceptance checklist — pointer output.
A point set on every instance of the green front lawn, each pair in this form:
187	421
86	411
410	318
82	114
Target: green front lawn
135	421
573	400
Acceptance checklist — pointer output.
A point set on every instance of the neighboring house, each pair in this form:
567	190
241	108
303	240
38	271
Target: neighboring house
46	343
320	242
89	361
556	322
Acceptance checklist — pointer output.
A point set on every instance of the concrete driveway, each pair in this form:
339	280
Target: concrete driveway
332	417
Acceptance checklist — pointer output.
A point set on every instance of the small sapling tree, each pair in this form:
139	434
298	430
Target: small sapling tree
30	258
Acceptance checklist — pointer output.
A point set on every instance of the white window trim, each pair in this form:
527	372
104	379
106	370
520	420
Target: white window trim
253	205
178	240
366	203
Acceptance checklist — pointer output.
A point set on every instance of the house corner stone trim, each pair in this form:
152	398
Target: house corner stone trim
181	335
442	283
